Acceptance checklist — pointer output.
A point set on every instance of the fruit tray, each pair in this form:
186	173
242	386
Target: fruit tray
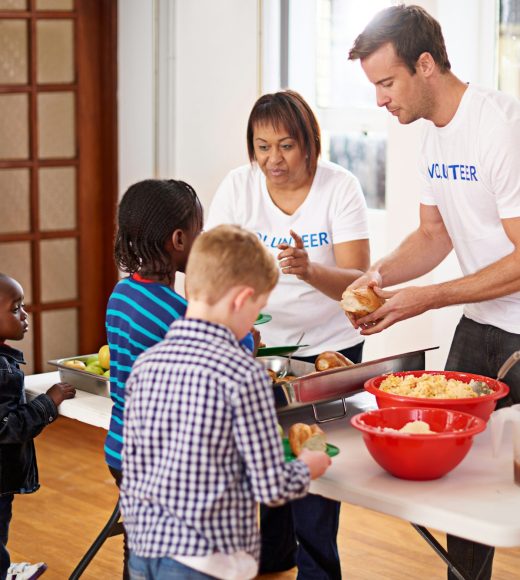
82	380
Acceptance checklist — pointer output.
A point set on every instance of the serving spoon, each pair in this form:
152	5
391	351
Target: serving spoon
482	388
288	368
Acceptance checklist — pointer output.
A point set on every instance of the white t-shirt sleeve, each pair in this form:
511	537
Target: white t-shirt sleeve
500	160
221	210
349	220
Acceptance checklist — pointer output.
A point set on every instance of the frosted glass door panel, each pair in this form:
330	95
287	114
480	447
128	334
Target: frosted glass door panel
13	52
15	258
14	192
55	51
59	335
55	4
58	270
14	126
56	126
13	4
57	198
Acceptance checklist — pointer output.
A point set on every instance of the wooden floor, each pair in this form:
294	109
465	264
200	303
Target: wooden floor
58	523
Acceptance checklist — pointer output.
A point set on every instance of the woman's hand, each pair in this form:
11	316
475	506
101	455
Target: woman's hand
295	259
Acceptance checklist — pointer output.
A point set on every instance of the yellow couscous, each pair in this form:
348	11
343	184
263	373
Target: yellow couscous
427	386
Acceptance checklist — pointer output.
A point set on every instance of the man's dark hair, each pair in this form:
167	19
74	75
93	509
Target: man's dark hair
149	212
410	29
287	110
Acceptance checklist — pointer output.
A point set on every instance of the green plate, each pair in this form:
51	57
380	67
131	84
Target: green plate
263	318
279	350
332	450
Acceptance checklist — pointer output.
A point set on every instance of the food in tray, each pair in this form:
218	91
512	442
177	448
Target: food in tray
95	364
75	364
303	436
413	427
283	378
330	360
360	302
429	386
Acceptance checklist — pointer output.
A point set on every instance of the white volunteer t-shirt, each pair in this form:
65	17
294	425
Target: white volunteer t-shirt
471	171
333	212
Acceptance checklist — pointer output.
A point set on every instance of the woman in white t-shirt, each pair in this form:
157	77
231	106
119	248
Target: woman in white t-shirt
312	216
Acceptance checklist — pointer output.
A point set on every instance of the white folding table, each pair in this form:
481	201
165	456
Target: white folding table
478	500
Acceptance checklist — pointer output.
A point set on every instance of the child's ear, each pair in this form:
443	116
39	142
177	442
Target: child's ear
178	240
242	296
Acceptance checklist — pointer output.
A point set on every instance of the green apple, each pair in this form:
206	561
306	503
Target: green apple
95	369
92	359
280	431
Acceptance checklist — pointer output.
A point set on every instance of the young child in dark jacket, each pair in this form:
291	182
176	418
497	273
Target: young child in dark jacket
20	422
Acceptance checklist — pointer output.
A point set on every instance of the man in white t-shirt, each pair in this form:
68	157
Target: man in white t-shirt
470	202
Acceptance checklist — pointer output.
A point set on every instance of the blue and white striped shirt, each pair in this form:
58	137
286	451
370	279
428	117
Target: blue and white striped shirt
139	313
201	446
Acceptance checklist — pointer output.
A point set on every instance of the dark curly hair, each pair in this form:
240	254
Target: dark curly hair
149	212
410	29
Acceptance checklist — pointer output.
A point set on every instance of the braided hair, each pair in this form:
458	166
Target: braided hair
149	212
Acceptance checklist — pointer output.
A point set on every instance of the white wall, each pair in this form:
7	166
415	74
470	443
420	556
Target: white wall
188	121
217	81
136	130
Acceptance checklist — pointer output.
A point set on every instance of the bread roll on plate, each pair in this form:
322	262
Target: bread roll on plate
331	360
303	436
360	302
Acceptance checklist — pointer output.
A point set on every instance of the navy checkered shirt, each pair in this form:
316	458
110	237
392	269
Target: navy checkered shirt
201	446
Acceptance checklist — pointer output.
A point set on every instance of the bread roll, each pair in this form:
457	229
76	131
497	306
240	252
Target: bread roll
303	436
359	302
315	430
298	434
316	442
331	360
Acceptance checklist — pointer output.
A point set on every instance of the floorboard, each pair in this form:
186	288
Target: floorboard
58	523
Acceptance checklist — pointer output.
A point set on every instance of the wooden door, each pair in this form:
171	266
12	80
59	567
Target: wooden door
58	168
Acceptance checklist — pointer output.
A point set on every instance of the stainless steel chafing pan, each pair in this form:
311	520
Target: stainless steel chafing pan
311	388
82	380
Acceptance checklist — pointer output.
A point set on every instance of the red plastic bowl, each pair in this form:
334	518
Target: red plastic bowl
416	456
481	406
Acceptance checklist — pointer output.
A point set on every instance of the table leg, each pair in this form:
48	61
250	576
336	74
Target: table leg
112	528
440	551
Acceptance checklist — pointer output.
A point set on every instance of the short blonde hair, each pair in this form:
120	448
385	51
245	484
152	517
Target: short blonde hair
228	256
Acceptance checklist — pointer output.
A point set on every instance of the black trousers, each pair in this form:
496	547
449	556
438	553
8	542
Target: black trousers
303	532
480	349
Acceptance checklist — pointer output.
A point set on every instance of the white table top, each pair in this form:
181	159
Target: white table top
478	500
85	407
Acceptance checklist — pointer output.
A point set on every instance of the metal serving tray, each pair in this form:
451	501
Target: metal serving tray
335	384
96	384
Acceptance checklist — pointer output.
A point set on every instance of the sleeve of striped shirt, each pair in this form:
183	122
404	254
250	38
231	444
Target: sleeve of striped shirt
273	481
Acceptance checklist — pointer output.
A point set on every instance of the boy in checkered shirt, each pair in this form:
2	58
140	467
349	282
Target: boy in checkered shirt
200	427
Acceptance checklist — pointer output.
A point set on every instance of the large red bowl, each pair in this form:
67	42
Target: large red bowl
481	406
418	456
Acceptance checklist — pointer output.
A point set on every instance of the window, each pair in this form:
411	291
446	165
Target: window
313	44
509	47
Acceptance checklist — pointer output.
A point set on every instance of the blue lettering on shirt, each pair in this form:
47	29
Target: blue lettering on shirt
453	171
310	240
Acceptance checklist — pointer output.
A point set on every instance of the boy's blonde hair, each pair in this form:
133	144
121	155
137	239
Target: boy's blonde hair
228	256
